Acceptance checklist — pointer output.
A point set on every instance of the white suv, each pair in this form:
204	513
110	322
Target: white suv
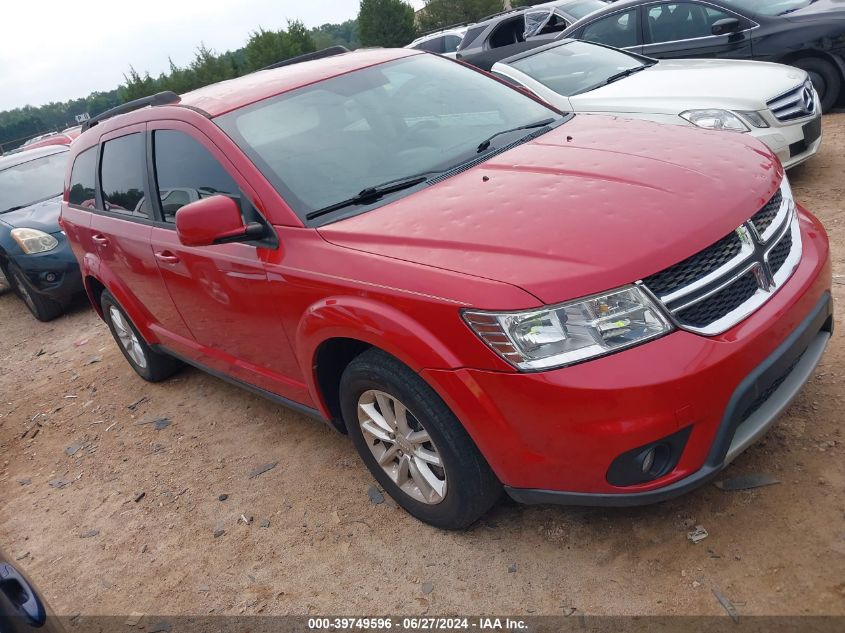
443	42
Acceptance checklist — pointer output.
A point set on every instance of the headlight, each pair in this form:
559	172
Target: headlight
34	241
715	120
571	332
754	118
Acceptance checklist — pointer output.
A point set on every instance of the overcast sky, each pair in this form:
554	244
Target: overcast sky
55	51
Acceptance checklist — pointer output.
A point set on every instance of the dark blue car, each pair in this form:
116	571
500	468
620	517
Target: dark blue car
35	256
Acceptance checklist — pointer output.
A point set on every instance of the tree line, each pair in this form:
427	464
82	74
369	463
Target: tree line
388	23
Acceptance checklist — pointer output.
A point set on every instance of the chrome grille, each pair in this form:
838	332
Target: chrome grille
798	103
720	286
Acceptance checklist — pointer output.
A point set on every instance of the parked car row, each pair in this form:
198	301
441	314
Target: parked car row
542	290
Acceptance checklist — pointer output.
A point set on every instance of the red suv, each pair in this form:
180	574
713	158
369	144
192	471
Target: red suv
480	290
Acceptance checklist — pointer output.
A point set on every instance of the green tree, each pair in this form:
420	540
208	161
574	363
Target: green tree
386	23
344	34
440	13
137	86
268	47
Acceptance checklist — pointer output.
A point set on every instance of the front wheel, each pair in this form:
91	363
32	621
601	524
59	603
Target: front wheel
825	78
413	444
42	308
147	363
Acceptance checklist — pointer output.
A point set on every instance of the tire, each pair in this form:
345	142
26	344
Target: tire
825	78
42	308
376	381
150	365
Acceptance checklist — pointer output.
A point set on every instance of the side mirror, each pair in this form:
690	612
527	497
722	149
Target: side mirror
214	220
725	26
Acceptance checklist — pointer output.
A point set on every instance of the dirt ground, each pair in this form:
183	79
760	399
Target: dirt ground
76	459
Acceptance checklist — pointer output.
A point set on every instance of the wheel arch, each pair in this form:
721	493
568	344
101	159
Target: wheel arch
336	330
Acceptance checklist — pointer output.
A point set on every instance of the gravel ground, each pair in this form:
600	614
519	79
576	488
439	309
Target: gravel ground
113	498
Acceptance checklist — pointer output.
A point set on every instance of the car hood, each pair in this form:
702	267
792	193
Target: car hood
41	215
596	203
672	86
818	10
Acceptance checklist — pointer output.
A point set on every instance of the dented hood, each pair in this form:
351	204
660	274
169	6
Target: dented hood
596	203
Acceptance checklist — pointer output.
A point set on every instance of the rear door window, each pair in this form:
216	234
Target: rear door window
674	21
620	30
122	174
187	172
82	179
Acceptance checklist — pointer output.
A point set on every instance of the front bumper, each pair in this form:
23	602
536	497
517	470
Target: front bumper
793	143
55	273
552	436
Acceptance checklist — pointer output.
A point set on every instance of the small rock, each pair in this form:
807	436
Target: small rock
695	584
58	483
137	403
512	569
93	359
218	532
74	448
262	469
89	533
25	482
427	588
144	548
222	497
246	518
22	556
139	496
698	534
375	495
746	482
265	523
161	423
134	618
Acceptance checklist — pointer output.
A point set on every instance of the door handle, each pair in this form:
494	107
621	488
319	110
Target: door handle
102	240
166	257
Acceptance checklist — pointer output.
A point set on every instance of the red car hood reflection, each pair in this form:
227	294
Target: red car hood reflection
594	204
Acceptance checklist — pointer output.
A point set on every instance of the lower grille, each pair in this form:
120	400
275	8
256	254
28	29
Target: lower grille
760	400
719	304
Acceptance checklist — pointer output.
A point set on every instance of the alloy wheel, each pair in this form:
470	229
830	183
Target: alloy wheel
127	338
402	446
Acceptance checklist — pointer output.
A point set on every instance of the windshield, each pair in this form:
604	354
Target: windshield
31	182
583	7
576	67
325	143
769	7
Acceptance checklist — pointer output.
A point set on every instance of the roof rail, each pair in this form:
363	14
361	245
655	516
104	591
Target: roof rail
444	28
307	57
505	12
161	98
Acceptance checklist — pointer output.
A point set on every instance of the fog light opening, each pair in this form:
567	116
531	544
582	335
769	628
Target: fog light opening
51	277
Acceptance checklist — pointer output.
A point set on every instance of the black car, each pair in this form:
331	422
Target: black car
521	23
809	34
35	256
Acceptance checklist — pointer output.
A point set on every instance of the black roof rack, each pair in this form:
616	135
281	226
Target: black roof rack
161	98
307	57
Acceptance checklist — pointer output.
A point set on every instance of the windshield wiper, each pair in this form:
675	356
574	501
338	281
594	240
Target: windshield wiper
528	126
20	206
370	194
627	73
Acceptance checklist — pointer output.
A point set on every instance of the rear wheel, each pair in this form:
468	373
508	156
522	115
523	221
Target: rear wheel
148	364
825	78
42	308
413	444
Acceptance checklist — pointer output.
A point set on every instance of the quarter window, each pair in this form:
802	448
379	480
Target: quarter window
122	176
675	21
620	30
82	179
187	172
